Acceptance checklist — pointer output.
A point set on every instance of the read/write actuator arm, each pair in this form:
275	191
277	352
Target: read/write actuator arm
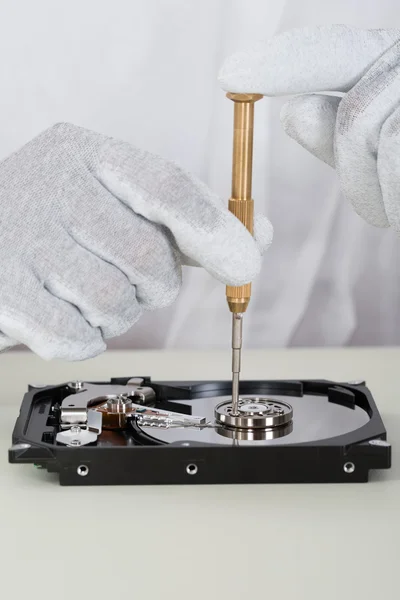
241	205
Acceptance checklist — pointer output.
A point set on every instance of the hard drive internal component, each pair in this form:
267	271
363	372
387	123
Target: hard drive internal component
260	434
115	411
135	431
254	413
92	407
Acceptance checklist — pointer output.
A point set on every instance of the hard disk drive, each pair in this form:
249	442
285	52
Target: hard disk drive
136	431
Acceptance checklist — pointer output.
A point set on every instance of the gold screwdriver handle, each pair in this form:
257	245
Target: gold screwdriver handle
241	203
239	297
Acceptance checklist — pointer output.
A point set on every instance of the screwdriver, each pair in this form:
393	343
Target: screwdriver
241	205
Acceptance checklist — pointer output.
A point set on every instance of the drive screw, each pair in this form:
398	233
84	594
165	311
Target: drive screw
75	385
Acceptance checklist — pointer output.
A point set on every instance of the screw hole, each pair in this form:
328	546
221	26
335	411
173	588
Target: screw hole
349	467
82	470
191	469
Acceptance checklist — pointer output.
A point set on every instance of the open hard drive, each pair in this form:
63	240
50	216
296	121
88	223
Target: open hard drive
135	431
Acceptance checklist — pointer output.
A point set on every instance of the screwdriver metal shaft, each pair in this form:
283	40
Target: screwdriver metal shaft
237	327
241	205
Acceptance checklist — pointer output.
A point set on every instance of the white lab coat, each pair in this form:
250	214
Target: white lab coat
145	71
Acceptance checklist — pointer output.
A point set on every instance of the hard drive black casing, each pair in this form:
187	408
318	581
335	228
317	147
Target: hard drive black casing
320	461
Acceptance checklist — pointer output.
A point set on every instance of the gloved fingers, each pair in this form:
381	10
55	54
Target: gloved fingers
263	233
311	59
361	115
201	225
310	120
389	167
101	292
50	327
144	251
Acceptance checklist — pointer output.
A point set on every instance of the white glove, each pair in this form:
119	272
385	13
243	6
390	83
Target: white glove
357	133
94	231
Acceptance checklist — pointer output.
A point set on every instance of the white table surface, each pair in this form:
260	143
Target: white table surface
319	542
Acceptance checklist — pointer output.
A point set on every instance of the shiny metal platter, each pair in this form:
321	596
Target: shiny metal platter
314	419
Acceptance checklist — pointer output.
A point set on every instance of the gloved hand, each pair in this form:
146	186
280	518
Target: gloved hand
93	231
357	130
